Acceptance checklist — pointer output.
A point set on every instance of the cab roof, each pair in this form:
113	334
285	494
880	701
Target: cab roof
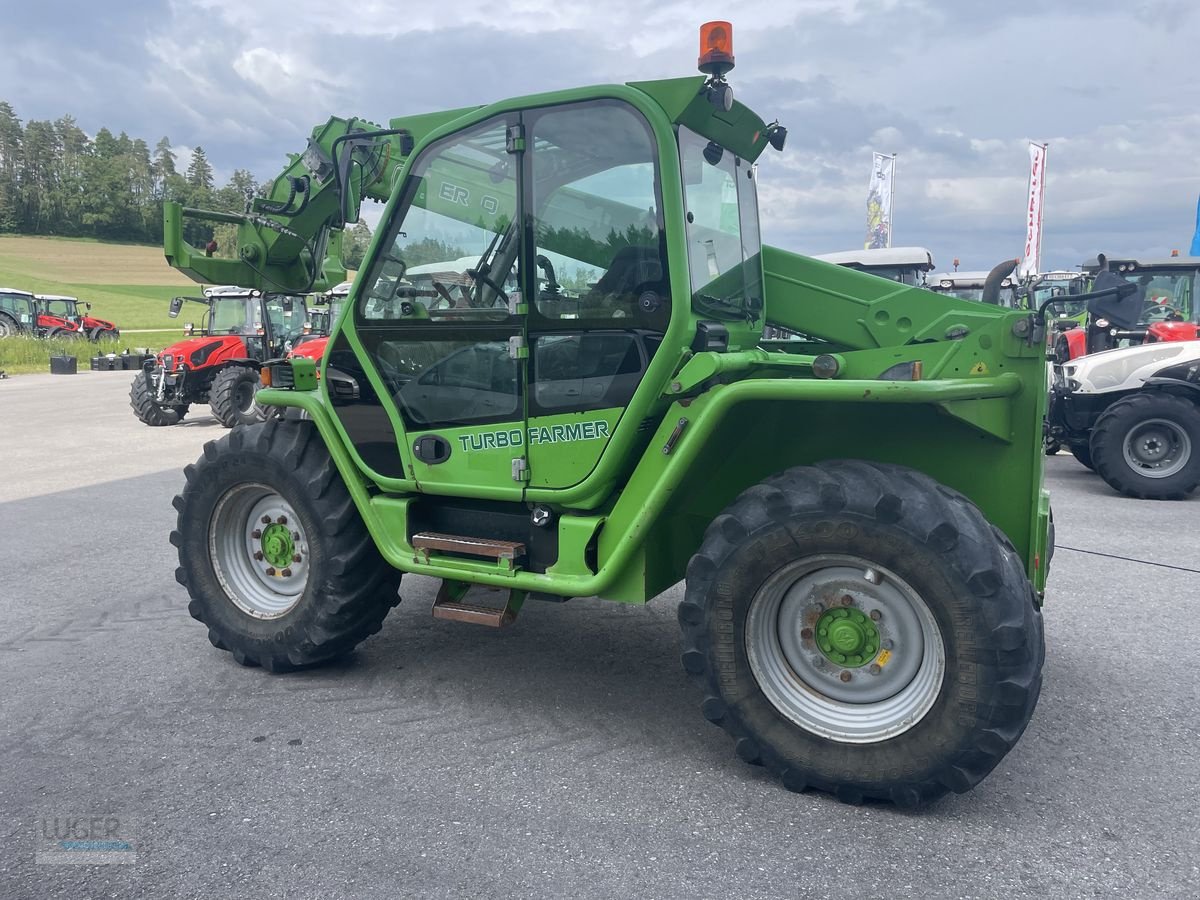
918	257
1169	262
8	290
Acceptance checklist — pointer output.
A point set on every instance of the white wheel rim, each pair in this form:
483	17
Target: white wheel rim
245	544
879	700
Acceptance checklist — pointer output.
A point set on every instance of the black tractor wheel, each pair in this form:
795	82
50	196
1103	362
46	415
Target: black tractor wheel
1083	454
147	408
105	334
232	397
860	629
273	552
1147	445
8	326
64	334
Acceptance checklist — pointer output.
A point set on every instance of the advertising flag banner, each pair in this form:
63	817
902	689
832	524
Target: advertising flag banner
879	201
1196	237
1031	259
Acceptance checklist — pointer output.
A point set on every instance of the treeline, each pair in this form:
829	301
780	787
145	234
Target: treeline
56	180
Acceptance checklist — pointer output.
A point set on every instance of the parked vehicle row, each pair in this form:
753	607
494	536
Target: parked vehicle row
51	316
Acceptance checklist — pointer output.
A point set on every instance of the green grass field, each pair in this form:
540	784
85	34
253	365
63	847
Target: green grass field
128	284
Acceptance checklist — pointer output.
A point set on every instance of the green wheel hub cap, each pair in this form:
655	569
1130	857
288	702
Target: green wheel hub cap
847	636
277	546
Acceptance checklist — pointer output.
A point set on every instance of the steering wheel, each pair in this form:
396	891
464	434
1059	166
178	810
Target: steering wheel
1161	312
486	279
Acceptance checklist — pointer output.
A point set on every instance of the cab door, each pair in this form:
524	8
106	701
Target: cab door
602	299
441	321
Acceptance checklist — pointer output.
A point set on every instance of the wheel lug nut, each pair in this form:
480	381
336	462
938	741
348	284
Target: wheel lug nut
295	535
805	633
888	645
845	676
282	520
266	520
875	670
270	570
258	555
286	573
876	615
296	558
847	599
256	534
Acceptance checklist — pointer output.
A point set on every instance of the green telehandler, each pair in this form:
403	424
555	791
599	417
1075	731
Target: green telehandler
575	403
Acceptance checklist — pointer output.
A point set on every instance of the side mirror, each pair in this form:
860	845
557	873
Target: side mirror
87	306
176	306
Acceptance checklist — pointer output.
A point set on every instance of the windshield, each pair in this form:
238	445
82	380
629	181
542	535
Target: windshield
1008	295
1051	289
902	274
236	315
63	308
724	246
1166	296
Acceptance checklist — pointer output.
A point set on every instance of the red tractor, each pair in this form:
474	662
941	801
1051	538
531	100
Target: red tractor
312	344
220	363
1163	305
21	313
69	308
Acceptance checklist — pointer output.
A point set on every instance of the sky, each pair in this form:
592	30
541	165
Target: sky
956	88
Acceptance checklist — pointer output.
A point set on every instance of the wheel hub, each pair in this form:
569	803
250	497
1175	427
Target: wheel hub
277	545
847	637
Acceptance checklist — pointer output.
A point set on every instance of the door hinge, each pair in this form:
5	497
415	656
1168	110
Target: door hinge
517	348
514	139
520	469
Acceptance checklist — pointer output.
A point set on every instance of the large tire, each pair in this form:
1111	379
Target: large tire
64	334
146	408
104	334
908	552
1147	445
232	397
1083	455
338	592
8	326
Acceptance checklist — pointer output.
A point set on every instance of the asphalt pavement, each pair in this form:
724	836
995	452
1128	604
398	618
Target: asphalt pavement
563	757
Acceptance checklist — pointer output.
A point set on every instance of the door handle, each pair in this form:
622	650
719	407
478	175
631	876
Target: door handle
432	449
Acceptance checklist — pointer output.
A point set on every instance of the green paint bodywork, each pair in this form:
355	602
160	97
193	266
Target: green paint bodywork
632	504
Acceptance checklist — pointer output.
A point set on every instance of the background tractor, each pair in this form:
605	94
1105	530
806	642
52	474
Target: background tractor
219	364
321	319
70	309
589	412
971	285
21	313
1163	310
907	265
1133	415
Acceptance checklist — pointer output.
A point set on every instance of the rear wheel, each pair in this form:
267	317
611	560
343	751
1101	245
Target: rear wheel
1083	453
232	397
147	408
860	629
105	334
1147	445
64	334
273	552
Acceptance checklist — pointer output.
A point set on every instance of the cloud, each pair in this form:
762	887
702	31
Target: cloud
955	87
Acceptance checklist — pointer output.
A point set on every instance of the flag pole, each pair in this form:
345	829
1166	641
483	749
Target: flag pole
892	222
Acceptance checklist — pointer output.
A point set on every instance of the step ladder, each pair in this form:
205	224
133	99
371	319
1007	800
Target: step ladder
449	603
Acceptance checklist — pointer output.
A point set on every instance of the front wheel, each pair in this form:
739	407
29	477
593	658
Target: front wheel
1147	445
147	408
233	394
860	629
273	552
